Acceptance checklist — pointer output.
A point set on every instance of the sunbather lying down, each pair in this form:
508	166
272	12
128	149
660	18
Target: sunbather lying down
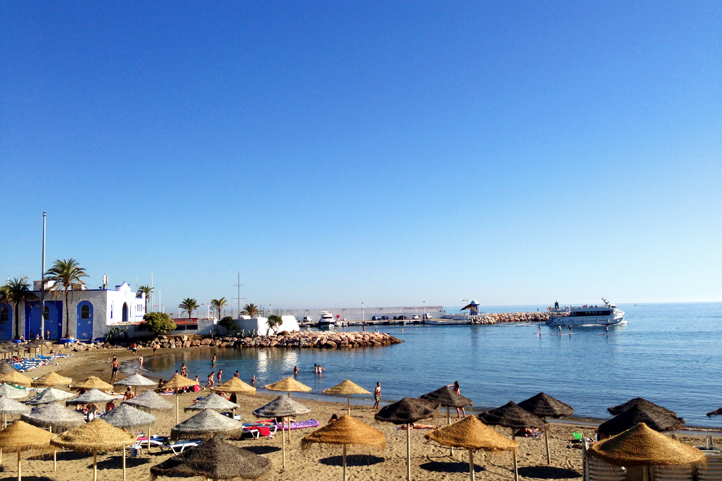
528	433
418	426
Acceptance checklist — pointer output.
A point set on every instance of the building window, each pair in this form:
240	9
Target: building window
4	314
46	313
85	311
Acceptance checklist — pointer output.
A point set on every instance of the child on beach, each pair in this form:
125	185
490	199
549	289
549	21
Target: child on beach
210	379
377	395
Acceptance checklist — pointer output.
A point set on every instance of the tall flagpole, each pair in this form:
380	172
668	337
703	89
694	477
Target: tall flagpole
42	286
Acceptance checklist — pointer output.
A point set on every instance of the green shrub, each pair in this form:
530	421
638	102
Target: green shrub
158	322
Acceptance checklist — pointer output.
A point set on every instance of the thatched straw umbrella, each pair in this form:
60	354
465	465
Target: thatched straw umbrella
718	412
643	446
282	407
53	415
91	396
445	396
126	416
97	435
17	379
214	459
21	437
206	424
152	401
288	385
12	392
177	382
654	419
512	416
346	387
235	385
136	380
472	434
6	368
10	406
50	395
93	382
407	411
545	406
345	431
52	379
641	402
213	402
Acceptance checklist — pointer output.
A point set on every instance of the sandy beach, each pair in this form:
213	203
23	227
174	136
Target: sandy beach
429	460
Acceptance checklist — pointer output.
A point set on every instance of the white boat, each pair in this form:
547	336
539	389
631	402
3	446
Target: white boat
606	315
326	320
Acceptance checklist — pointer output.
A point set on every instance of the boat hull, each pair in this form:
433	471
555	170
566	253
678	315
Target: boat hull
617	317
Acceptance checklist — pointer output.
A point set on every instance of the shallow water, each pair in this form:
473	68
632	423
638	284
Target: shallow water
670	354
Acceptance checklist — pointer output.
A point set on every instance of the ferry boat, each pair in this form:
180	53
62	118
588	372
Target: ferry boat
326	320
606	315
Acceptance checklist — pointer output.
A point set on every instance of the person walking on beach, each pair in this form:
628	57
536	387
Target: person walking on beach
377	395
220	375
210	379
115	366
184	370
155	348
457	390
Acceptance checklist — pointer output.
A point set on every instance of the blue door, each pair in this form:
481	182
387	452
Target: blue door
84	322
53	321
6	322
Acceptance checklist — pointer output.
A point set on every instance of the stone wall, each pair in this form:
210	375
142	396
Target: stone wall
511	317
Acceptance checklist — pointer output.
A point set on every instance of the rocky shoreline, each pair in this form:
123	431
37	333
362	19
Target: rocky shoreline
511	317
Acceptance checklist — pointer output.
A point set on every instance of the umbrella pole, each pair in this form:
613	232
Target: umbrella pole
408	451
513	455
546	439
123	463
344	463
177	415
471	463
149	426
95	465
348	400
5	420
448	422
283	443
20	472
55	460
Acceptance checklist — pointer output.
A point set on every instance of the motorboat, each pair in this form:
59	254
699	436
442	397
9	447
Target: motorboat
326	320
587	315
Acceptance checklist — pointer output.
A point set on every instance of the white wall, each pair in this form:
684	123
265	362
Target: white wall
260	325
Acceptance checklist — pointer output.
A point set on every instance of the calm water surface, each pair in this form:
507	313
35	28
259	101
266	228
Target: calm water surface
670	354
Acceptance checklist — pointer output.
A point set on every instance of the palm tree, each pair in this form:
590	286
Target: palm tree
147	290
14	292
250	310
189	305
219	304
67	275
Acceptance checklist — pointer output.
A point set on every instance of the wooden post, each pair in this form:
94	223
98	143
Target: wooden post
348	400
20	471
95	465
177	414
471	464
513	455
645	473
448	422
123	463
546	439
283	443
149	426
408	451
344	463
55	460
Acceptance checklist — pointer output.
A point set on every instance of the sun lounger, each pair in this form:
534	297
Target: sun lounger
260	429
673	473
713	470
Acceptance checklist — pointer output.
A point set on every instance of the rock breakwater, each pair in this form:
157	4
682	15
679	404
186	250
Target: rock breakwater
511	317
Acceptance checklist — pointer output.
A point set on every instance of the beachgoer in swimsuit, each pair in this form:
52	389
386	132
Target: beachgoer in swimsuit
237	375
253	380
114	373
128	394
377	395
295	370
220	375
210	379
140	362
213	361
457	390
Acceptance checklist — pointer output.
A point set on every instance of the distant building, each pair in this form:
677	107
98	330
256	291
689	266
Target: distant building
91	313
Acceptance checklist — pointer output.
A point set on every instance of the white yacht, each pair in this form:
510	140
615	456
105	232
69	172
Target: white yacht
606	315
326	320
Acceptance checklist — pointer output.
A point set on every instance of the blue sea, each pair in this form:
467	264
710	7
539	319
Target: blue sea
670	354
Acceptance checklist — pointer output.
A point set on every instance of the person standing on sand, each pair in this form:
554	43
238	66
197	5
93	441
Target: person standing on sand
377	395
457	390
115	366
220	375
210	379
140	361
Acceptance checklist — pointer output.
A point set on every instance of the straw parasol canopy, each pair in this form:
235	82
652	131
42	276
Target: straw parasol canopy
282	407
205	424
17	378
6	368
213	402
125	416
718	412
654	419
20	437
472	434
97	435
11	406
150	400
53	414
512	416
345	431
136	380
50	395
288	385
93	382
643	446
346	387
177	382
235	385
214	459
92	396
6	390
407	411
545	406
52	379
641	402
445	396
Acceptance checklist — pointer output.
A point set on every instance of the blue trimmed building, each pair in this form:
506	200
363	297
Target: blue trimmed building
91	313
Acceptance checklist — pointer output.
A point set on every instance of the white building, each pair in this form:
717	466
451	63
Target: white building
260	325
90	311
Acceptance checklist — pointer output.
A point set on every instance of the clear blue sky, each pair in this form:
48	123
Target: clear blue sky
385	152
